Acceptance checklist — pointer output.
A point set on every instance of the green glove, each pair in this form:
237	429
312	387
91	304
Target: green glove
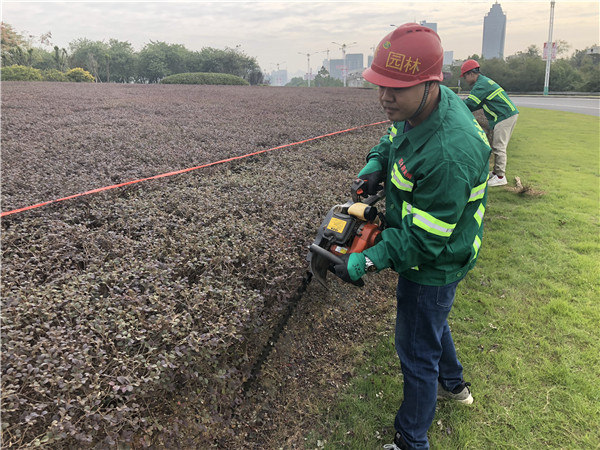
352	268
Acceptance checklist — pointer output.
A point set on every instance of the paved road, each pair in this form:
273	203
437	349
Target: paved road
590	106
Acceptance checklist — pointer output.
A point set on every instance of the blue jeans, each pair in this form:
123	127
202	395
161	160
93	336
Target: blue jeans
427	355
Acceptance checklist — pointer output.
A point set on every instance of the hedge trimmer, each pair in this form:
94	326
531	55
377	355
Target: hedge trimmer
348	228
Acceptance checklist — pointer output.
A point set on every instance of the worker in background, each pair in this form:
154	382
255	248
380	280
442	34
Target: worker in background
499	110
433	163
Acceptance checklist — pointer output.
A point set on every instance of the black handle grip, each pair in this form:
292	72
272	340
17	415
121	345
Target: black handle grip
326	254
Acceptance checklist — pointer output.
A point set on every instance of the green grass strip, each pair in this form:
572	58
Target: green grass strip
525	320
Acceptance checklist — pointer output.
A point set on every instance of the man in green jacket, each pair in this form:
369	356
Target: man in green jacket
499	110
434	165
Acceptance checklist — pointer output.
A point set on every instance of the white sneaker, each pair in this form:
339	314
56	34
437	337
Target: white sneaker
461	393
495	181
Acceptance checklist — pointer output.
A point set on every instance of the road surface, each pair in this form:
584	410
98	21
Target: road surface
590	106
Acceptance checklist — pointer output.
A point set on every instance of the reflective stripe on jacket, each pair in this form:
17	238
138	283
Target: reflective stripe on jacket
488	95
436	192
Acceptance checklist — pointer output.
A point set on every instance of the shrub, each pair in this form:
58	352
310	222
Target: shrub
54	75
80	75
21	73
127	313
204	78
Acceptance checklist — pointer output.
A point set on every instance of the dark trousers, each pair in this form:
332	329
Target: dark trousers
427	355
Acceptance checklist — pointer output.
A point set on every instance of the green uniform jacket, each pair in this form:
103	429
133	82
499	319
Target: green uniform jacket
496	104
436	192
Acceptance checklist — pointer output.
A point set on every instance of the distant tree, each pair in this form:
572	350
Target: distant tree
564	77
10	38
92	66
587	65
42	59
323	79
229	61
297	82
256	77
89	55
122	61
522	72
60	58
14	46
159	59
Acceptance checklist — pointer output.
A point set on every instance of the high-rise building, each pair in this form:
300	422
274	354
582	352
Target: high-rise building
431	25
336	67
494	32
448	57
355	61
279	77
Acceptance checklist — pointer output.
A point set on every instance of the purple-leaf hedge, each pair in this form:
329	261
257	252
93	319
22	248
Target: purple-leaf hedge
133	314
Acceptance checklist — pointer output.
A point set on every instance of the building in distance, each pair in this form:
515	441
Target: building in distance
430	25
494	33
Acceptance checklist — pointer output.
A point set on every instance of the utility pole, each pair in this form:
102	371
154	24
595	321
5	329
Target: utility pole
308	64
345	68
549	49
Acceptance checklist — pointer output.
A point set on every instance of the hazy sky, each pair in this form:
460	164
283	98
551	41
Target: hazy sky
283	32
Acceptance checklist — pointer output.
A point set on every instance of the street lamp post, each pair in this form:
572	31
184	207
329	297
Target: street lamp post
549	49
308	64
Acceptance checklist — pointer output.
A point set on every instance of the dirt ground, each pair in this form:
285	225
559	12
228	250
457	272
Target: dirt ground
313	360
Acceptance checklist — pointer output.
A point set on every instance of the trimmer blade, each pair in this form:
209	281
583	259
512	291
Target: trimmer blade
319	267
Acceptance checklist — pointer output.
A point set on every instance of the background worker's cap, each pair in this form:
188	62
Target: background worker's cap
409	55
467	66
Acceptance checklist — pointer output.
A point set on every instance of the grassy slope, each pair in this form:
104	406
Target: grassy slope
526	319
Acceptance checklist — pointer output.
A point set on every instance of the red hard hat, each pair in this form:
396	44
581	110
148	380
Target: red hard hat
469	64
409	55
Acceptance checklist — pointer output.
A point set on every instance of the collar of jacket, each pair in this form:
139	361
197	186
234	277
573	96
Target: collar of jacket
419	135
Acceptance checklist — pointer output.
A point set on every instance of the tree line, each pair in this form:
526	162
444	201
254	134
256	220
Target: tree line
525	71
522	72
117	61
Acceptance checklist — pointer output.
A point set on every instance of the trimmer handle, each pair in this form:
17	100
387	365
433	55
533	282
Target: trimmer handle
325	254
333	259
358	190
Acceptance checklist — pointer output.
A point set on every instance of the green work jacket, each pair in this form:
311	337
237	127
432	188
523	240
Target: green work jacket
496	103
436	192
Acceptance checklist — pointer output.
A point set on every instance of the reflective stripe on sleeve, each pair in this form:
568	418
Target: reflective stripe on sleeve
493	94
507	101
475	99
479	214
406	209
399	181
476	247
500	93
427	222
490	112
478	191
